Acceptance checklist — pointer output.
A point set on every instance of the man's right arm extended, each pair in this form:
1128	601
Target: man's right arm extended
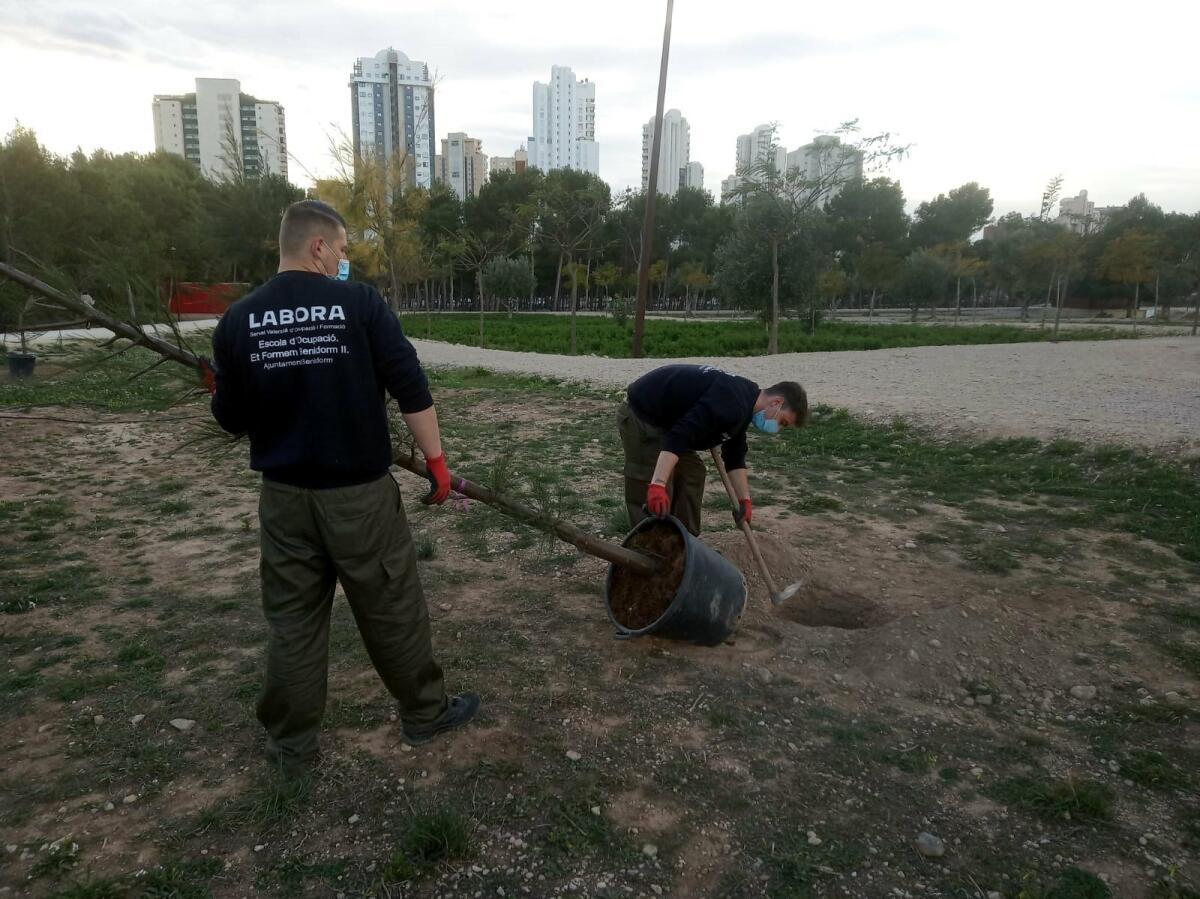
401	372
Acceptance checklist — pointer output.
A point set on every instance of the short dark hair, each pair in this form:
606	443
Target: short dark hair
304	220
794	398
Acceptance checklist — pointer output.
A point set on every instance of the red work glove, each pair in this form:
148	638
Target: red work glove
209	375
744	511
658	503
439	480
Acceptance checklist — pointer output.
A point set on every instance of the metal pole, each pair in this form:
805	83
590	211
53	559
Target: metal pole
643	287
1062	298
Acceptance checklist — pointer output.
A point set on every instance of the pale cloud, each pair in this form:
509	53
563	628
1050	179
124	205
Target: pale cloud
1007	94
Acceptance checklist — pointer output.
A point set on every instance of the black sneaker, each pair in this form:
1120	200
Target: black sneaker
461	709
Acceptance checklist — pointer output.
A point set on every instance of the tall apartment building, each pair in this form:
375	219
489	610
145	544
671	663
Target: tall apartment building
564	124
674	152
729	188
516	163
221	130
755	147
692	175
752	150
392	111
1080	215
462	164
827	159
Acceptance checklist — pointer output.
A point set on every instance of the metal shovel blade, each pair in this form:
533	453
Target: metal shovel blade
786	593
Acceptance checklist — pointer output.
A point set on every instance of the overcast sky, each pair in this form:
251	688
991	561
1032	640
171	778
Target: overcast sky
1009	96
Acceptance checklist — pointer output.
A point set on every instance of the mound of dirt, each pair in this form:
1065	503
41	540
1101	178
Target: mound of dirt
819	603
638	601
786	563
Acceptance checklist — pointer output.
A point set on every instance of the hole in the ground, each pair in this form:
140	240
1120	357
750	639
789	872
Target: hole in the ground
818	604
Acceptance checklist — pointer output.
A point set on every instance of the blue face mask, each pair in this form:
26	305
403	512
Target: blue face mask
343	271
764	424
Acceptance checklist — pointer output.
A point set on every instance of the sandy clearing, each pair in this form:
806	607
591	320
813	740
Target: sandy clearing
1144	392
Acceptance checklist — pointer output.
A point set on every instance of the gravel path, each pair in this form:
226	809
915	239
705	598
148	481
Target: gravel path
1144	392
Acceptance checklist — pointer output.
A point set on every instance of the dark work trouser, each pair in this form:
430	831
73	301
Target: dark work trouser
311	540
642	444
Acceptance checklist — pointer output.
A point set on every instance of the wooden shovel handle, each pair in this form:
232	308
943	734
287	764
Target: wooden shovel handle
733	498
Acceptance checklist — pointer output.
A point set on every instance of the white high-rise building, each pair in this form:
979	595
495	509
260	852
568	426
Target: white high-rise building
222	131
828	163
462	164
754	148
729	187
564	124
674	152
1080	215
391	101
692	176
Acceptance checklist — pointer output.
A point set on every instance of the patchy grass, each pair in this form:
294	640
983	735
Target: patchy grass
1060	485
430	839
1074	883
426	546
296	876
82	376
1149	768
100	888
183	879
576	830
686	748
798	868
1185	654
1056	800
60	857
274	799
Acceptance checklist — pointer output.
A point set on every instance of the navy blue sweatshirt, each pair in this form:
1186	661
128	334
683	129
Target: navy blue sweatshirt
698	406
302	366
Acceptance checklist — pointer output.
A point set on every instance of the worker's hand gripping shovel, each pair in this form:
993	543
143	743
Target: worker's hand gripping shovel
777	596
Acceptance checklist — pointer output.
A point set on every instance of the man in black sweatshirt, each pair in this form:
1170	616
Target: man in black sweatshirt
673	411
301	366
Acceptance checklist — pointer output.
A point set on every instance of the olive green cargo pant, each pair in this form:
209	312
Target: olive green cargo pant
312	540
642	444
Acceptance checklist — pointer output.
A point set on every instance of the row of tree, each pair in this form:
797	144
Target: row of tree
791	243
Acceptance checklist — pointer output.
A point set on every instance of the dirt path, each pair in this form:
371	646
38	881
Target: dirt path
1143	392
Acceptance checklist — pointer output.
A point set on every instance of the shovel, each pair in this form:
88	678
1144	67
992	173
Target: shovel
777	596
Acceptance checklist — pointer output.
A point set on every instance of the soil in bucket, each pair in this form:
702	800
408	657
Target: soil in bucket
638	601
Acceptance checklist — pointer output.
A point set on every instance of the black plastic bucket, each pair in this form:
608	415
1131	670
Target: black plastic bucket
20	365
708	602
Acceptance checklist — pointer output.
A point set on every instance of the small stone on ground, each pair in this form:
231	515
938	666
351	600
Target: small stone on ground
930	846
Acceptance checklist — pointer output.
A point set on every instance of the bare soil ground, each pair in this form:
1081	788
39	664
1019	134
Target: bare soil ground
1038	718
